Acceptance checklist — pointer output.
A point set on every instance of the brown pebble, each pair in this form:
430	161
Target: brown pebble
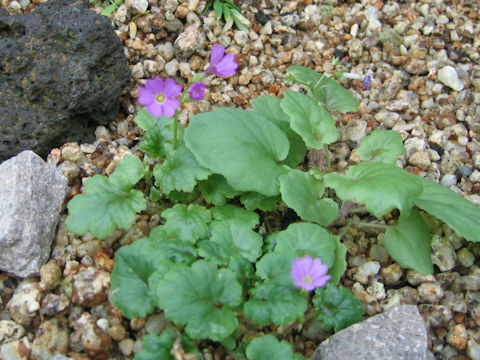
240	100
458	337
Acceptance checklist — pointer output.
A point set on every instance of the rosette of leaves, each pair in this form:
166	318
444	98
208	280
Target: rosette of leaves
230	12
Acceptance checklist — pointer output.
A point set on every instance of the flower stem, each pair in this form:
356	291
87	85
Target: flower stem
175	129
366	224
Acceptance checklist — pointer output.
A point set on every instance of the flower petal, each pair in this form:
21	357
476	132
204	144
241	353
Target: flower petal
217	54
155	109
169	107
145	97
154	85
171	88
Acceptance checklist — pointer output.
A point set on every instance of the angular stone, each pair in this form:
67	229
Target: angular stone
62	73
189	41
399	333
31	197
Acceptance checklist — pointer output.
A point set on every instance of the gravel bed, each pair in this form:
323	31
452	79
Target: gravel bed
424	60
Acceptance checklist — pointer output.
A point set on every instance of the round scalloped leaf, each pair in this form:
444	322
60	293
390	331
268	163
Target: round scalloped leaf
303	193
230	212
216	190
134	264
157	347
268	347
302	239
380	187
202	298
187	223
180	171
337	307
309	120
340	265
108	202
253	200
243	147
381	145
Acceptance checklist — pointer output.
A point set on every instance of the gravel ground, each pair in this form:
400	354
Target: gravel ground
423	58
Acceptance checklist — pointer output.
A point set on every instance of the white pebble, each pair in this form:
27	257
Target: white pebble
449	180
171	67
448	76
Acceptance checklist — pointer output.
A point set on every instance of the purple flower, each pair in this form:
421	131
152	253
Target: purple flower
366	82
220	64
197	91
159	96
309	273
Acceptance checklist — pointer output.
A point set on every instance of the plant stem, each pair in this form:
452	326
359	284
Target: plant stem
175	129
327	156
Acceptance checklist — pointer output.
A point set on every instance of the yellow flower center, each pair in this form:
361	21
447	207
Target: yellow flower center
160	98
307	279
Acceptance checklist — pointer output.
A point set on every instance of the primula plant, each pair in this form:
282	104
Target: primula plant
217	267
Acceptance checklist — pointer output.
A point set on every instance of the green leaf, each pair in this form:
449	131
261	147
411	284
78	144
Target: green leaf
234	213
179	172
408	243
134	264
301	239
381	145
109	9
226	12
241	22
157	347
380	187
337	307
218	8
303	193
276	299
158	137
216	190
187	223
269	107
245	148
212	251
313	123
268	347
145	120
200	297
237	238
340	265
108	202
325	90
176	250
458	213
253	200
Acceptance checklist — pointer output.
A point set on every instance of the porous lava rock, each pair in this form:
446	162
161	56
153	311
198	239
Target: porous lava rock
62	70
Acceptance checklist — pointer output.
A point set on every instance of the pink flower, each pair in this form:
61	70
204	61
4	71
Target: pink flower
197	91
159	96
220	64
309	273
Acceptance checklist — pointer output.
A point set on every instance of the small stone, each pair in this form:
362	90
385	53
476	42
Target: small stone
10	331
435	315
52	337
156	323
189	41
458	337
50	275
392	274
443	254
241	37
464	171
117	332
430	293
448	76
16	350
473	349
465	258
174	25
366	271
166	50
421	159
24	304
90	287
377	290
467	282
448	180
91	338
53	304
140	6
356	130
126	347
171	67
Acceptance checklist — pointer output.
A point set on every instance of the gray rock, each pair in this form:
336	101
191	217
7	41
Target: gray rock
63	70
396	334
31	197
